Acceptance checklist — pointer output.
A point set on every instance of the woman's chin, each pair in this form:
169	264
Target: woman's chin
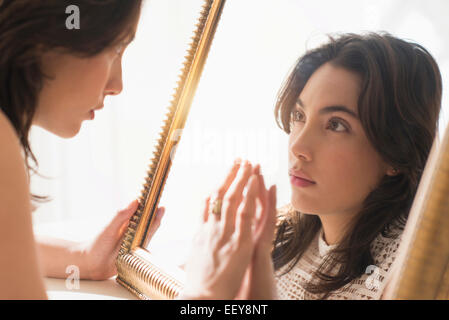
304	205
71	134
67	132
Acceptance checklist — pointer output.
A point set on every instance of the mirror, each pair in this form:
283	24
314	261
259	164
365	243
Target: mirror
231	116
421	270
151	280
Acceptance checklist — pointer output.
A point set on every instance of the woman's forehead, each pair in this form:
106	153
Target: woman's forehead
330	85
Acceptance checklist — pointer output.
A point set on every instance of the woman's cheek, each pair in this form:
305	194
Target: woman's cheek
102	64
342	172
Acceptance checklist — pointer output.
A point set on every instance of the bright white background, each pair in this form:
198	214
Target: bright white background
102	169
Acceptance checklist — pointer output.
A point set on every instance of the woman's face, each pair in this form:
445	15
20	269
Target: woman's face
328	145
77	88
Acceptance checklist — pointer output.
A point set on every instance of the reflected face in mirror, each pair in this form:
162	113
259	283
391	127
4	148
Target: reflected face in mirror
328	146
77	88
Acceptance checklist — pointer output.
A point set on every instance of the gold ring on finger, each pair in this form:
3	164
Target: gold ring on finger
216	207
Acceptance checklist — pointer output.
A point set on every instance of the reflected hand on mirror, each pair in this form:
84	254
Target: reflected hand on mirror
259	283
223	248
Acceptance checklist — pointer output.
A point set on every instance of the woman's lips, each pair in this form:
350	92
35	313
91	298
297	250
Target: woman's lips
299	182
92	112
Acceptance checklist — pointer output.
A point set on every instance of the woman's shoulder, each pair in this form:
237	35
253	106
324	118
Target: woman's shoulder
11	158
370	285
8	136
384	248
20	273
13	176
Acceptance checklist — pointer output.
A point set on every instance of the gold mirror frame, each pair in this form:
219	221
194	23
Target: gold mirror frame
422	266
138	270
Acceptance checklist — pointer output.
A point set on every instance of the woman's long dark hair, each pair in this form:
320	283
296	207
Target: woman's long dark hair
399	107
29	28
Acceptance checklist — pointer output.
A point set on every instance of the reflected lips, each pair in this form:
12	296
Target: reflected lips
300	182
298	178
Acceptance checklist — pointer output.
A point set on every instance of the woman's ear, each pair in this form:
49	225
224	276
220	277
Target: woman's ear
392	171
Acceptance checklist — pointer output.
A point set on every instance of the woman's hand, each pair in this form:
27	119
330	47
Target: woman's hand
224	245
99	255
259	283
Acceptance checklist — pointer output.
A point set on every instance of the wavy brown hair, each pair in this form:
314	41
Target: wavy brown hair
29	28
399	107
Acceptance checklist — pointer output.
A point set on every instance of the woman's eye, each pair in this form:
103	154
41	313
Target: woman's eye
296	116
336	124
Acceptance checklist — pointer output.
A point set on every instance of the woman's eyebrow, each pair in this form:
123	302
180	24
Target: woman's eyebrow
330	109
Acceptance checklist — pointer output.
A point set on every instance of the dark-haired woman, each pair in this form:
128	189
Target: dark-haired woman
55	78
362	113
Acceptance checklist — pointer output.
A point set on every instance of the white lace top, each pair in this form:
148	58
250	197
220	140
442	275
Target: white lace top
368	286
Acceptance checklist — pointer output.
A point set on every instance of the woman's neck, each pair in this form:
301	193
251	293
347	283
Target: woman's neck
334	227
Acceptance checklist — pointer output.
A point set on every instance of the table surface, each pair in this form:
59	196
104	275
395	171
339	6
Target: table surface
58	289
81	230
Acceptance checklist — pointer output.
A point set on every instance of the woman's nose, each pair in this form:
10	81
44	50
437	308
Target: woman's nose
301	144
115	84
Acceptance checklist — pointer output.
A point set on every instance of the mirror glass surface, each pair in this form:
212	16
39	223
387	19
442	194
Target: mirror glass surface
256	44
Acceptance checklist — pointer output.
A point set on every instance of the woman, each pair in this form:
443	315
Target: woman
54	78
361	112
